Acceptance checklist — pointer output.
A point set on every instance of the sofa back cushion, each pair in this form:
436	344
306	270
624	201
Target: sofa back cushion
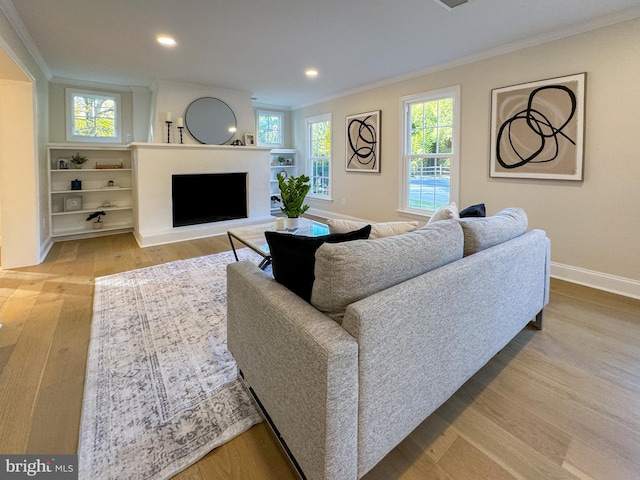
347	272
378	230
485	232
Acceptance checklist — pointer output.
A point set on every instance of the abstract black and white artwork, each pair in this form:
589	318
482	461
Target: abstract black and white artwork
537	129
363	142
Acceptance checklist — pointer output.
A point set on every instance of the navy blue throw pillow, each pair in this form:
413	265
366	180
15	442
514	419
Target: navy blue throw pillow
474	211
293	257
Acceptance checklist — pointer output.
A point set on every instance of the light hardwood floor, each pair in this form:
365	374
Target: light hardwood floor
559	403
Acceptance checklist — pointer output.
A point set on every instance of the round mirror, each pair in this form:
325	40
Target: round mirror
210	121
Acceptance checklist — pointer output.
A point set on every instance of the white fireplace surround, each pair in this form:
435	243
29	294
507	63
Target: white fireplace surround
155	163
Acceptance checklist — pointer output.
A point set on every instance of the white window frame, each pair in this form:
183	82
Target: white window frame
405	147
309	159
272	113
70	93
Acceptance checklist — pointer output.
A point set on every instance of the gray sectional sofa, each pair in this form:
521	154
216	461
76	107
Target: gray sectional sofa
395	326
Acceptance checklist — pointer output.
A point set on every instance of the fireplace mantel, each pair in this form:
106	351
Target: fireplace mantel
155	163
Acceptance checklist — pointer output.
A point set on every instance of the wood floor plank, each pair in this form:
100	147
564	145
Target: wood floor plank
252	456
463	460
21	378
56	418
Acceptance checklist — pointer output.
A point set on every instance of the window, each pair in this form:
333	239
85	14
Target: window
430	150
270	125
93	116
319	155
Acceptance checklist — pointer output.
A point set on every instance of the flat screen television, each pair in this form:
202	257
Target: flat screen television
208	197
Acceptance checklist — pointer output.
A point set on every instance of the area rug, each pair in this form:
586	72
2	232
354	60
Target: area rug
161	388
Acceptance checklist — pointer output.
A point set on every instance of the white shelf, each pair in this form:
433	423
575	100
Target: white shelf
94	191
290	155
86	211
90	231
88	190
101	170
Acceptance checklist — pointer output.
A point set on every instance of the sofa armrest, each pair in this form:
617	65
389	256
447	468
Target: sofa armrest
301	365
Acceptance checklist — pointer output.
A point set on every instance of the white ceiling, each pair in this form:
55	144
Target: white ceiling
263	47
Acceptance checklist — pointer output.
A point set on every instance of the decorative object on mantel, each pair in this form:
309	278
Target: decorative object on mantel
210	121
363	142
166	399
537	129
292	194
168	121
180	125
98	223
76	184
237	143
249	139
78	160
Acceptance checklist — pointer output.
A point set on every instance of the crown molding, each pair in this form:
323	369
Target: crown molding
16	22
558	34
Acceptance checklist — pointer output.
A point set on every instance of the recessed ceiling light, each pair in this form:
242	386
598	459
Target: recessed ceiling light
166	40
311	73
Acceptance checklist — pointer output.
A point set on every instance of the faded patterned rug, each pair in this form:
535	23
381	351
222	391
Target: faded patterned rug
161	388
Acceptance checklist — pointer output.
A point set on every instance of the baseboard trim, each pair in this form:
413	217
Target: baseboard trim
45	248
601	281
317	212
194	232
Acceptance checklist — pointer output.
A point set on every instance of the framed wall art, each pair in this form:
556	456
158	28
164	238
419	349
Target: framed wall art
537	129
363	142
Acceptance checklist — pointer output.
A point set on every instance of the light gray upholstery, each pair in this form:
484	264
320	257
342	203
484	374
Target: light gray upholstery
303	367
343	396
418	344
349	271
485	232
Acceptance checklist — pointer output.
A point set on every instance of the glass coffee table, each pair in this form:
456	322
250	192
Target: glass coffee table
253	237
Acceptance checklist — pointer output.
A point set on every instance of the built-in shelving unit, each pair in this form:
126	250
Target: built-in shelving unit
105	185
285	161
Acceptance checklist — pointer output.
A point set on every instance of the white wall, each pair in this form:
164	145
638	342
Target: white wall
175	97
23	130
593	224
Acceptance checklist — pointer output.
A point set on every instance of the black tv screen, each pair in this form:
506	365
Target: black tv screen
208	197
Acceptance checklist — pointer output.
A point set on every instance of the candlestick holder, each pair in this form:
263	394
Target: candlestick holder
180	128
168	130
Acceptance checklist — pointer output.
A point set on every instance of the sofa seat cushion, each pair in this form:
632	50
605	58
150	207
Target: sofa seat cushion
378	230
485	232
347	272
293	257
